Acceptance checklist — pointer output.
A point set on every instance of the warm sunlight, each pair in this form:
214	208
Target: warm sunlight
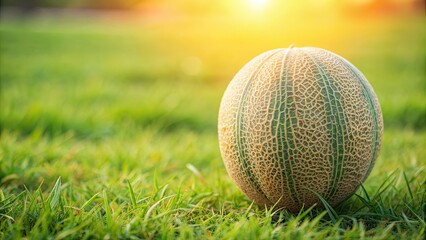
258	3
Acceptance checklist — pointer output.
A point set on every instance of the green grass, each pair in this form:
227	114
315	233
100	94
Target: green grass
104	135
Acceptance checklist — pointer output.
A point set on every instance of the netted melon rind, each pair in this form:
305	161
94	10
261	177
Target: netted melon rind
298	120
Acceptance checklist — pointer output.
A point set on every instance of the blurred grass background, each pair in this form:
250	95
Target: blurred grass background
93	73
99	96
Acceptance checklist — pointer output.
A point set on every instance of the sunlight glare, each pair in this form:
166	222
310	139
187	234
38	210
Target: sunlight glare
258	3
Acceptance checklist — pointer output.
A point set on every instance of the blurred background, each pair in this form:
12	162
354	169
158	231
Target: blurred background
91	66
109	70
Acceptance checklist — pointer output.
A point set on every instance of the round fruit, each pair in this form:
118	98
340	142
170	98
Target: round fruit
297	122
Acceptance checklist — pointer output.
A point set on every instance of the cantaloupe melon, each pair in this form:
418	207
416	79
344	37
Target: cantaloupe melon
296	121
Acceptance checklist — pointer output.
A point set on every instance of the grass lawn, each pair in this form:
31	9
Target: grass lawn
109	131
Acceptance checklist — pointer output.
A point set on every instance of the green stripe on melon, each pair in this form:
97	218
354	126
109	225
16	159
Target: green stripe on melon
335	121
295	120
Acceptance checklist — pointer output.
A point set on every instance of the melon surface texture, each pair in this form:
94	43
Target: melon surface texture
295	121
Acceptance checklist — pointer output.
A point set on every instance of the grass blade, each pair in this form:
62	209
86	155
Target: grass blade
365	193
331	212
197	173
148	213
89	201
132	194
408	186
385	185
108	214
55	195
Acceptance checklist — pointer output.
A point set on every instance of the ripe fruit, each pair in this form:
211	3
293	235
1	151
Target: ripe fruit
296	121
